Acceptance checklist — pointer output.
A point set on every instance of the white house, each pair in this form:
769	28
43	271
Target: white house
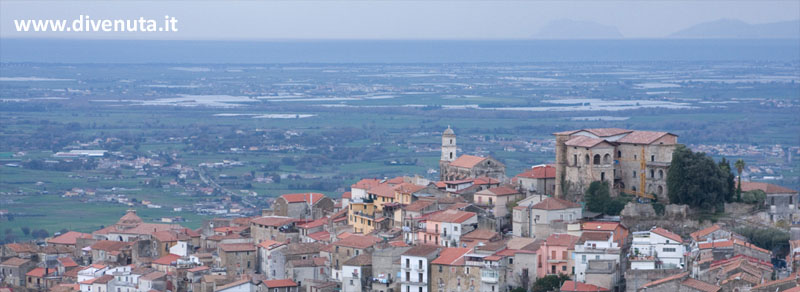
594	245
415	267
657	249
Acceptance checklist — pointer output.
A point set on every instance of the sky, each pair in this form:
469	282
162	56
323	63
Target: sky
387	19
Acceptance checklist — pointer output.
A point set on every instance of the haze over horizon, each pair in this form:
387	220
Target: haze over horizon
397	20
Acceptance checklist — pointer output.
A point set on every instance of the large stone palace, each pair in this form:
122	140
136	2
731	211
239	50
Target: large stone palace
631	161
453	167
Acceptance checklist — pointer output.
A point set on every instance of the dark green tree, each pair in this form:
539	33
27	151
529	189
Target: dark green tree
739	169
549	283
730	182
597	196
695	180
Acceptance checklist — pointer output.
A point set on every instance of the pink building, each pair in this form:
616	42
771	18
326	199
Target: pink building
555	255
446	227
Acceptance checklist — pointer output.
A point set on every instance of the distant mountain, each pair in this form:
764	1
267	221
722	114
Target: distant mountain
734	28
574	29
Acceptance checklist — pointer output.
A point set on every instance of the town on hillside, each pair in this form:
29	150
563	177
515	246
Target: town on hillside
619	210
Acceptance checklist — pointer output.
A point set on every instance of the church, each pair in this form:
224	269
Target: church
453	167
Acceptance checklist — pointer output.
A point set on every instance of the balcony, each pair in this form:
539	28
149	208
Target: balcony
489	276
417	268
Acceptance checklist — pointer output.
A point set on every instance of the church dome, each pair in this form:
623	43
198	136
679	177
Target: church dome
130	218
448	131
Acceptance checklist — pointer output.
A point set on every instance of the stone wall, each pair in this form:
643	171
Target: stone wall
636	278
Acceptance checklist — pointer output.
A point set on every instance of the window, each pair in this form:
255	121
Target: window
420	277
356	252
420	289
619	153
652	158
420	264
510	261
455	228
563	255
652	173
408	263
668	249
575	160
564	268
586	159
351	282
408	276
583	259
440	269
634	174
596	159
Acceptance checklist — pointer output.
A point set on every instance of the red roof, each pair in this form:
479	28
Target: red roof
236	247
541	171
485	181
664	280
606	132
408	188
668	234
69	238
320	236
700	285
38	272
467	161
382	190
499	191
452	216
705	231
766	187
598	225
562	239
642	137
347	195
280	283
315	223
304	197
584	141
167	259
67	262
269	244
551	203
366	183
580	287
451	256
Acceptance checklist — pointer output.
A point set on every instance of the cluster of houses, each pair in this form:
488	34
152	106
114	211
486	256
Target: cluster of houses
471	231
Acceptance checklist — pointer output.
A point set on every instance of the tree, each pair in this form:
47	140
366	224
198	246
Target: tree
549	283
695	180
739	168
730	185
25	230
597	196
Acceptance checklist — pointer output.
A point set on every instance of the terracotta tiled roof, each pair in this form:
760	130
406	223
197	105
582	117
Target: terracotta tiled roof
269	244
667	279
315	223
275	221
408	188
103	279
570	285
790	278
594	236
700	285
14	262
395	180
358	241
198	269
584	141
167	259
607	132
236	247
666	233
551	203
297	248
69	238
421	250
280	283
382	190
451	256
366	183
22	247
485	181
479	234
67	262
599	226
107	245
452	216
153	275
642	137
562	239
716	244
766	187
347	195
320	236
38	272
304	197
705	231
130	217
545	171
467	161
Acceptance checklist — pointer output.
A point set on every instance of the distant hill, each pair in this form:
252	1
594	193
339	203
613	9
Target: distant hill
573	29
734	28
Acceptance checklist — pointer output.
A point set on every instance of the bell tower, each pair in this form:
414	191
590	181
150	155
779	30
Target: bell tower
448	145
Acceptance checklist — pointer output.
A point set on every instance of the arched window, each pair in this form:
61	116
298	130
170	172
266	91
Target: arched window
660	190
451	155
634	174
633	188
607	159
619	153
575	160
597	159
586	158
652	173
660	173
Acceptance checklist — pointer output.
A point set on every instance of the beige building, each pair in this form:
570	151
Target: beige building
634	162
453	167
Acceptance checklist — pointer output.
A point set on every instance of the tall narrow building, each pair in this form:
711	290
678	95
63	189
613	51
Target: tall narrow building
454	167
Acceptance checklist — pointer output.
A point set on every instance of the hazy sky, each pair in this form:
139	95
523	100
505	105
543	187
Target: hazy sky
384	19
